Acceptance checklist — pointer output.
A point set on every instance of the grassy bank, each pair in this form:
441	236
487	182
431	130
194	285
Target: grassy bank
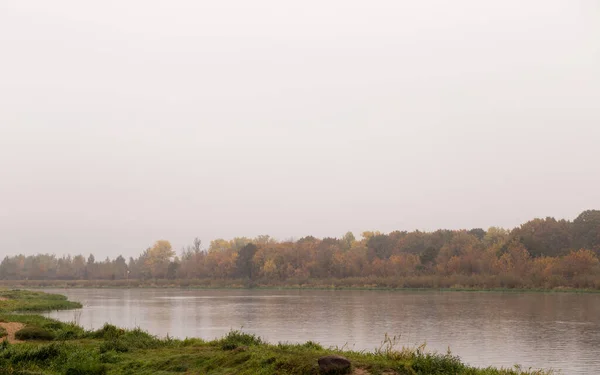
30	301
52	347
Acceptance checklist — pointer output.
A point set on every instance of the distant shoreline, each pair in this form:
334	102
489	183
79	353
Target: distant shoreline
171	284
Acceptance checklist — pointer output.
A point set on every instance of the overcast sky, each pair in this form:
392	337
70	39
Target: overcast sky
125	122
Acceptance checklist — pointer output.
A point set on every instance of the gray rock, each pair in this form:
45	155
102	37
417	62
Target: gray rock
334	364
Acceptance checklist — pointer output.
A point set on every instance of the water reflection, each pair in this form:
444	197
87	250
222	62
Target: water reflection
537	330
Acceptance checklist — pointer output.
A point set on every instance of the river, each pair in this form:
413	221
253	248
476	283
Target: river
537	330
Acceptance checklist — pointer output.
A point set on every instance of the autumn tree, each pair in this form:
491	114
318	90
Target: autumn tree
586	231
219	245
380	246
495	236
158	258
580	262
548	236
478	233
515	259
460	243
348	240
244	261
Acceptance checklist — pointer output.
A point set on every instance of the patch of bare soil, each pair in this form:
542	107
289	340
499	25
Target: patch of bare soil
11	329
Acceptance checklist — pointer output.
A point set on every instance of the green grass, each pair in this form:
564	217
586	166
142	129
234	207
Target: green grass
238	339
115	351
30	301
112	350
34	334
60	330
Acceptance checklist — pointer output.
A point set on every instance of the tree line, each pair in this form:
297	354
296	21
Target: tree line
545	253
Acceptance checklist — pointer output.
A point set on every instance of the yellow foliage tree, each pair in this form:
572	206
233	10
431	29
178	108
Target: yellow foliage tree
158	258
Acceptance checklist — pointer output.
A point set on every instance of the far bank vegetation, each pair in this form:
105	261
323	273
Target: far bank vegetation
542	253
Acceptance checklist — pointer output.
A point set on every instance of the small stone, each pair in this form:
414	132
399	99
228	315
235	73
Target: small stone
334	364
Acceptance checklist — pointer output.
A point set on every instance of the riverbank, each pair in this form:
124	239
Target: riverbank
52	347
330	284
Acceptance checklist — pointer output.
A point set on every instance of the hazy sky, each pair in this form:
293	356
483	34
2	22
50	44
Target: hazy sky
124	122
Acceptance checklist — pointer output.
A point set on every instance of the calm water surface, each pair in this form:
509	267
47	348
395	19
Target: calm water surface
539	330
